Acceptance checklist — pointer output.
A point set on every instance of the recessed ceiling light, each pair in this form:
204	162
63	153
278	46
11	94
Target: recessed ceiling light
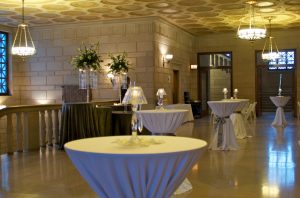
264	4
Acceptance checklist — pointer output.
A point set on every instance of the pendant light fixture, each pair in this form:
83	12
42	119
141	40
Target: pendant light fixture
252	31
23	44
270	53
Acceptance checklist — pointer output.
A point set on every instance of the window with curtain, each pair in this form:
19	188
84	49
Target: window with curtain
4	63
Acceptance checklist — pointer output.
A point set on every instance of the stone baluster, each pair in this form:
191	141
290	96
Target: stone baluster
49	128
19	138
9	132
25	132
42	129
56	126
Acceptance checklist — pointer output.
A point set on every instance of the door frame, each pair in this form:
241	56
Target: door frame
207	69
258	83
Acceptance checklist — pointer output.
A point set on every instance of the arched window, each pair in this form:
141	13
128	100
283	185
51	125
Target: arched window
4	64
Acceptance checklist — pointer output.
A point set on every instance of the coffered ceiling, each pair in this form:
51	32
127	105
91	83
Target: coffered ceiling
195	16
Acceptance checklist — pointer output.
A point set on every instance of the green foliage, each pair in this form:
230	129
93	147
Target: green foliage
119	64
87	58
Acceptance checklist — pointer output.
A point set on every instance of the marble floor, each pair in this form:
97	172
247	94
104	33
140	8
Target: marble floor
264	166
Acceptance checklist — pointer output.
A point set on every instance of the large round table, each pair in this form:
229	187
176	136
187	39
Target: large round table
113	170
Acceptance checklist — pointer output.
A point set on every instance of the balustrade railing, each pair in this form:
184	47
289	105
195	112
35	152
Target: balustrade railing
29	127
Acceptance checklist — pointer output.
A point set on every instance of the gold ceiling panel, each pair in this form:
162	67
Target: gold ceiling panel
54	7
141	13
47	15
29	10
64	20
195	16
5	12
73	13
185	21
191	2
199	9
129	7
88	18
179	16
114	15
41	22
206	14
293	2
84	4
158	5
169	11
100	10
8	5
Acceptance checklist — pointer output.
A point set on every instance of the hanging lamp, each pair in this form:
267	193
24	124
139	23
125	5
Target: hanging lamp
251	32
270	53
23	44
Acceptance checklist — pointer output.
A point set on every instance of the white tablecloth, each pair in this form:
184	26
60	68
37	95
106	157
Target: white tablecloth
238	120
188	116
119	171
279	102
162	121
224	137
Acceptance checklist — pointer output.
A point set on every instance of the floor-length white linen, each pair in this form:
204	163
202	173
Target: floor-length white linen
224	127
238	120
279	102
118	171
188	116
162	121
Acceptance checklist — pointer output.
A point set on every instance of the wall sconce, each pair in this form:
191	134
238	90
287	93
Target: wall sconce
194	66
110	76
167	58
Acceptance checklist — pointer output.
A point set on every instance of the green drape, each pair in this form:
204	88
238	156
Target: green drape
121	123
83	120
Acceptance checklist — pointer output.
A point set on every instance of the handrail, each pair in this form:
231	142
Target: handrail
35	125
28	108
41	107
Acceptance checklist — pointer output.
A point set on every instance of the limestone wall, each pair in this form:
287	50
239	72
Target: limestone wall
170	39
38	79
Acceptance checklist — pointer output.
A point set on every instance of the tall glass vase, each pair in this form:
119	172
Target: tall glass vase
82	79
122	84
93	78
88	79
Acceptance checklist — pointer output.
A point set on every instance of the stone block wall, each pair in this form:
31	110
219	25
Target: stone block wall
39	79
170	39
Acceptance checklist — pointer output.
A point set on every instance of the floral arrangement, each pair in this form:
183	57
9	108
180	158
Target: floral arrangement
119	64
87	58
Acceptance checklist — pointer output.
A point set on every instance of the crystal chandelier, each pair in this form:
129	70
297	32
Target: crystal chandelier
23	44
270	53
251	32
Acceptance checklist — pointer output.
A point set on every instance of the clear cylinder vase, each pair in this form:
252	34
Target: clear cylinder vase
82	79
93	79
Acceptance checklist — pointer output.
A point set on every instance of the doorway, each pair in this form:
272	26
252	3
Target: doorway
175	86
268	81
214	74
